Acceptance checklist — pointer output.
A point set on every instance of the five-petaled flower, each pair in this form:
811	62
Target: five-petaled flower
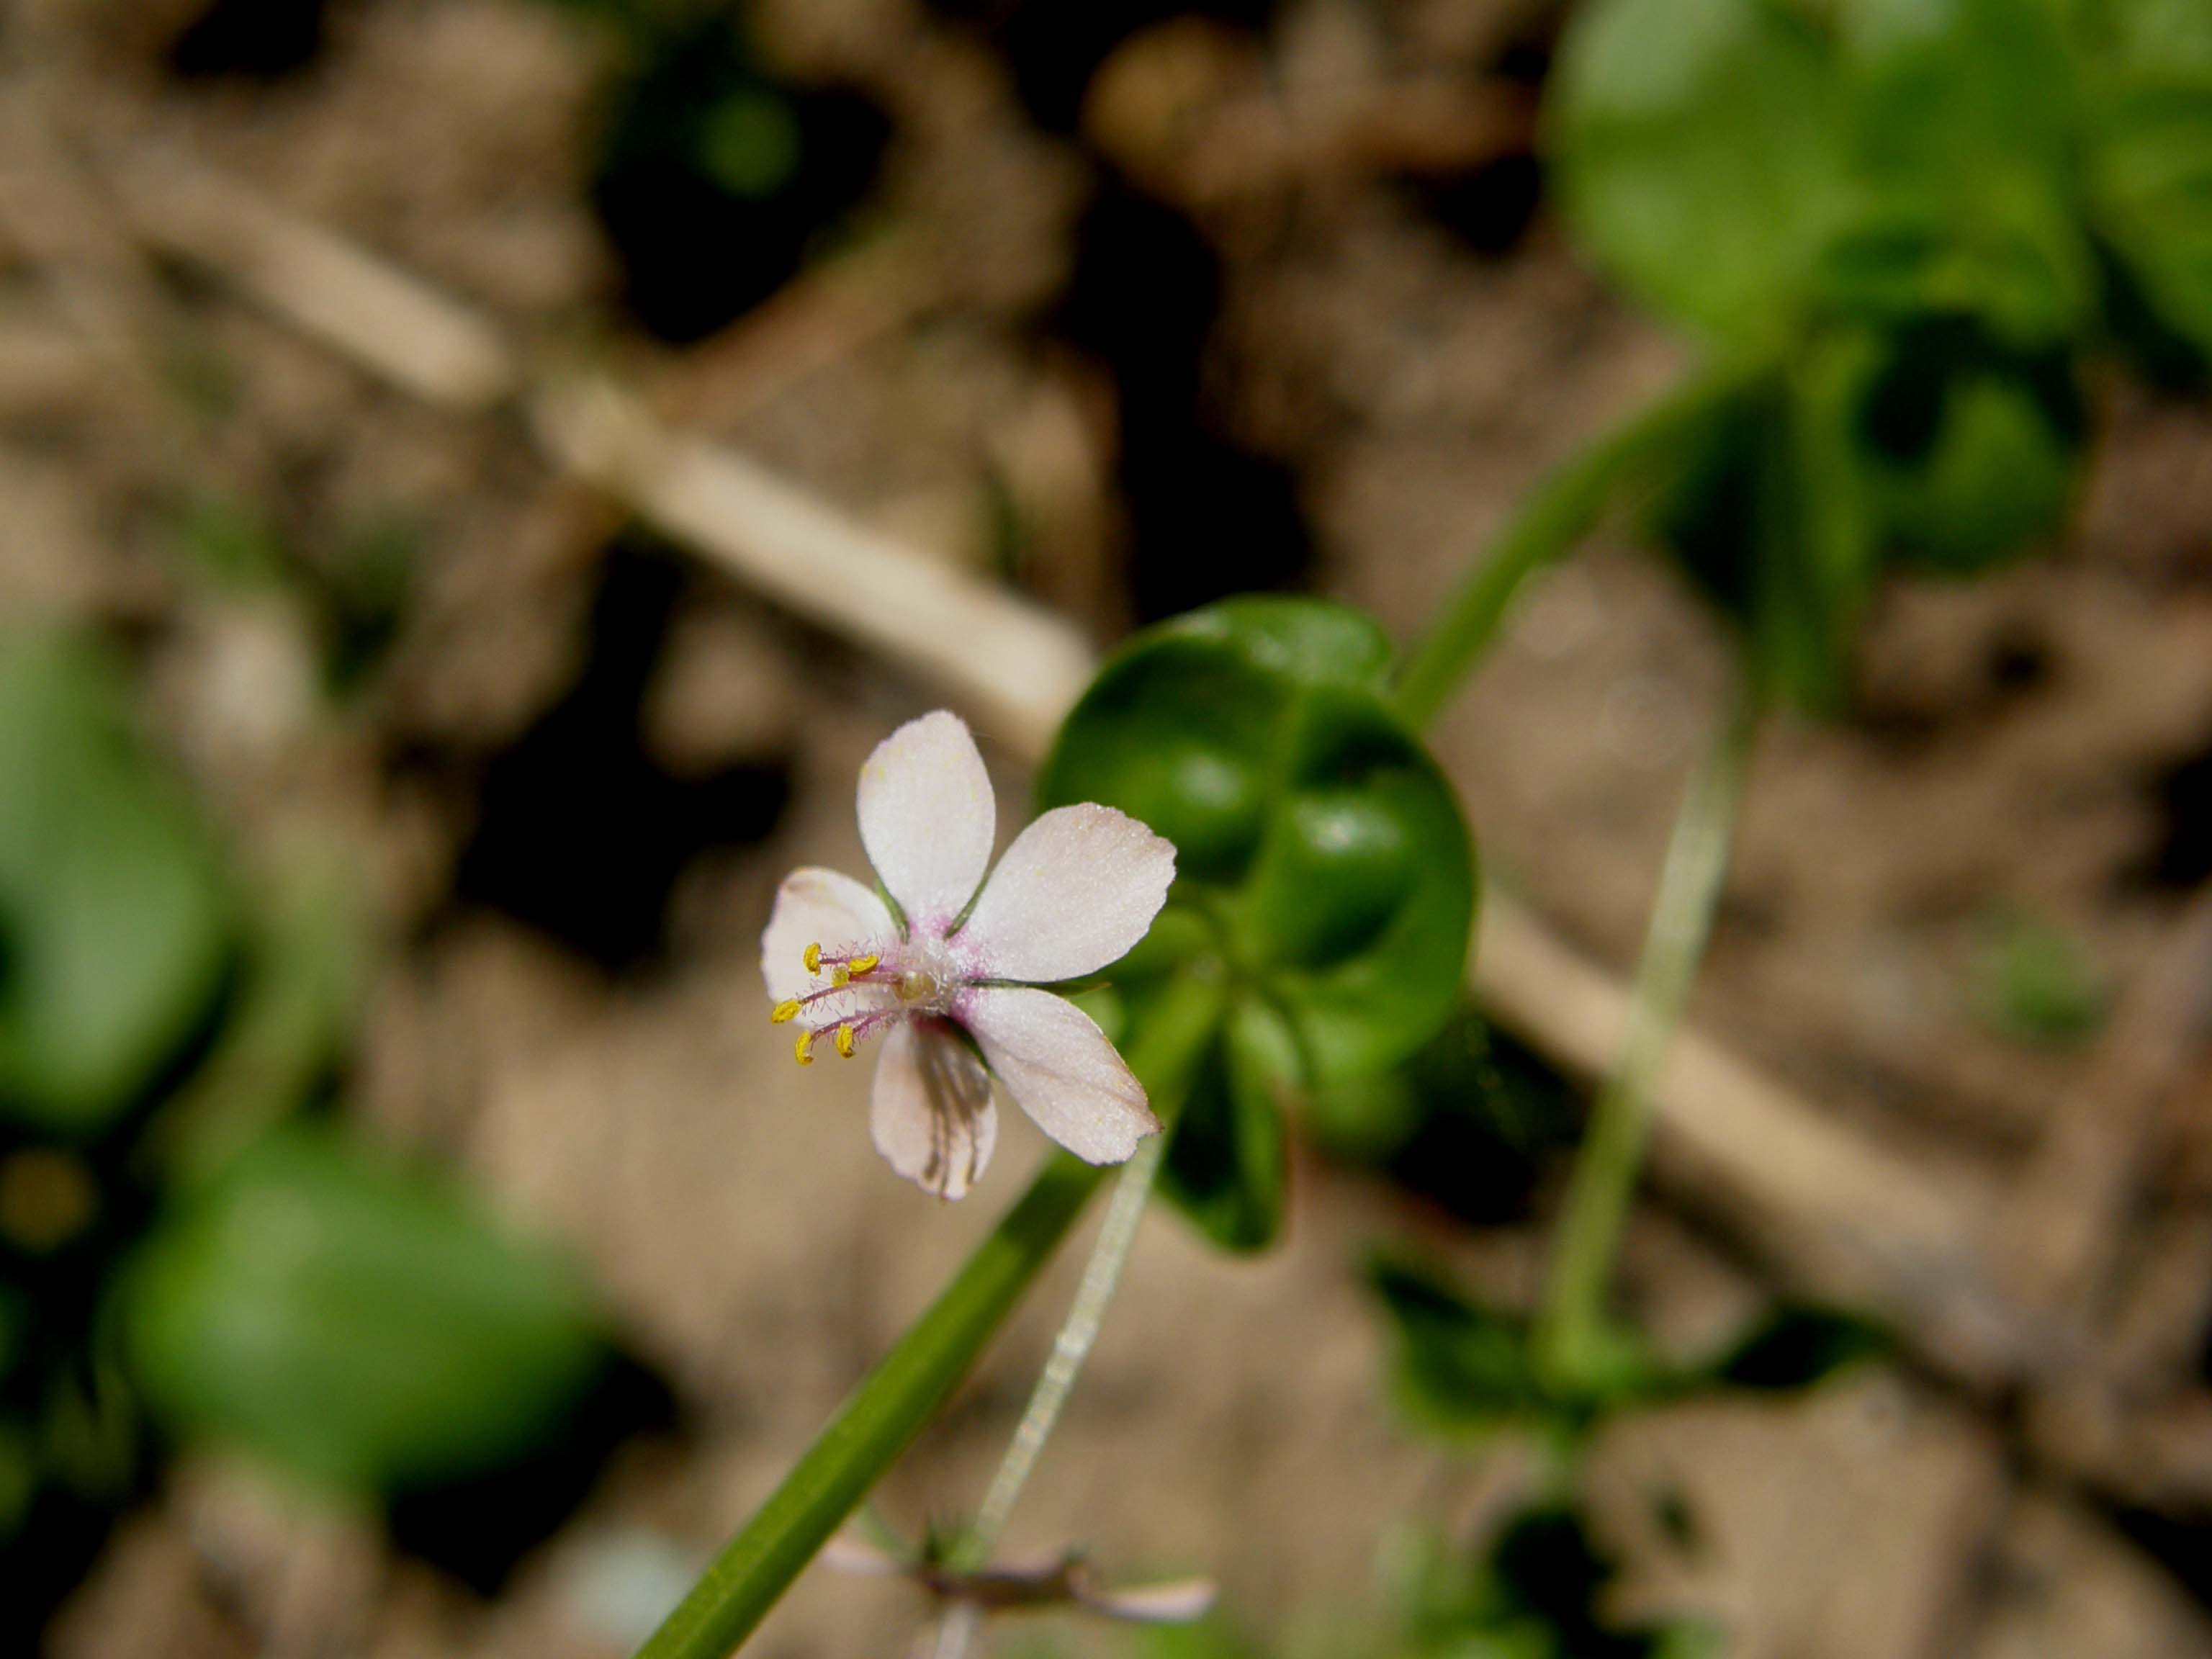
960	959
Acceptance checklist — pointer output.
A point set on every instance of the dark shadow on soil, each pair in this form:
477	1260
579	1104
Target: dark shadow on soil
580	834
1208	516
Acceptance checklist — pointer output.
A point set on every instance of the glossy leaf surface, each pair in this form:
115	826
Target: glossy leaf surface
1320	862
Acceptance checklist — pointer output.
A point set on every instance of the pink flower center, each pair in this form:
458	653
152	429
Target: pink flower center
861	991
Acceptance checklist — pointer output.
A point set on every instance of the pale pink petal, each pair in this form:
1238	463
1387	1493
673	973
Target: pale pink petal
927	819
1075	891
1176	1602
1061	1070
931	1115
817	906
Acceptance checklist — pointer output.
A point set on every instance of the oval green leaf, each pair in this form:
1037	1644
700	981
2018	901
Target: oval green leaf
334	1311
1321	856
113	927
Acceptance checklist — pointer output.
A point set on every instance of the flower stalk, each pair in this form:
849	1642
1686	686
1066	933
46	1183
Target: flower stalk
1101	1276
914	1379
1571	1329
1564	508
1071	1348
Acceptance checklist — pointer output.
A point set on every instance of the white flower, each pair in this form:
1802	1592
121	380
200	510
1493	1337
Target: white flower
1076	890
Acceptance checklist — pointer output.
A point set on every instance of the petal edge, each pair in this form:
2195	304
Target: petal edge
815	906
1075	891
928	816
1058	1067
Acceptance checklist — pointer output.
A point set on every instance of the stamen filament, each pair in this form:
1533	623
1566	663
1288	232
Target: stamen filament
813	997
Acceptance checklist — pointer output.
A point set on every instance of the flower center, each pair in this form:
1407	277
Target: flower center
868	989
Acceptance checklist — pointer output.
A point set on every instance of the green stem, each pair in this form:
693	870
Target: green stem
1571	1329
1102	1275
1564	508
913	1380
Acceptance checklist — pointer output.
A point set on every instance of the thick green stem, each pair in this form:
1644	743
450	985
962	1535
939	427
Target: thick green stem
913	1380
1564	508
1571	1326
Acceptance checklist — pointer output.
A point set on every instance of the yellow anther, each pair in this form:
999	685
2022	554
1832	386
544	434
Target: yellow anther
861	964
840	976
785	1010
812	956
804	1048
845	1042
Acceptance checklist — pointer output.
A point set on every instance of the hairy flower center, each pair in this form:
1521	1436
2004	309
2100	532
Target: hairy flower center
868	990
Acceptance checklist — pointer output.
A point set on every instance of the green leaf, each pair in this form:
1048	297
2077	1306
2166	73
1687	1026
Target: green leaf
331	1309
1701	153
1462	1370
1771	520
1227	1166
2150	153
1749	165
1970	449
1933	445
1468	1120
113	933
287	1027
1468	1371
1314	835
1795	1347
1964	118
1322	867
1543	1589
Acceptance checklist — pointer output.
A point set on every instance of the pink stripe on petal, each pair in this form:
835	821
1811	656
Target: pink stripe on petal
931	1114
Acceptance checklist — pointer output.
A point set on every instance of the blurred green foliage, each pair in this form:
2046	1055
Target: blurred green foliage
114	928
353	589
171	1248
1321	864
1465	1371
1470	1120
341	1314
1901	229
1538	1590
717	174
2035	983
